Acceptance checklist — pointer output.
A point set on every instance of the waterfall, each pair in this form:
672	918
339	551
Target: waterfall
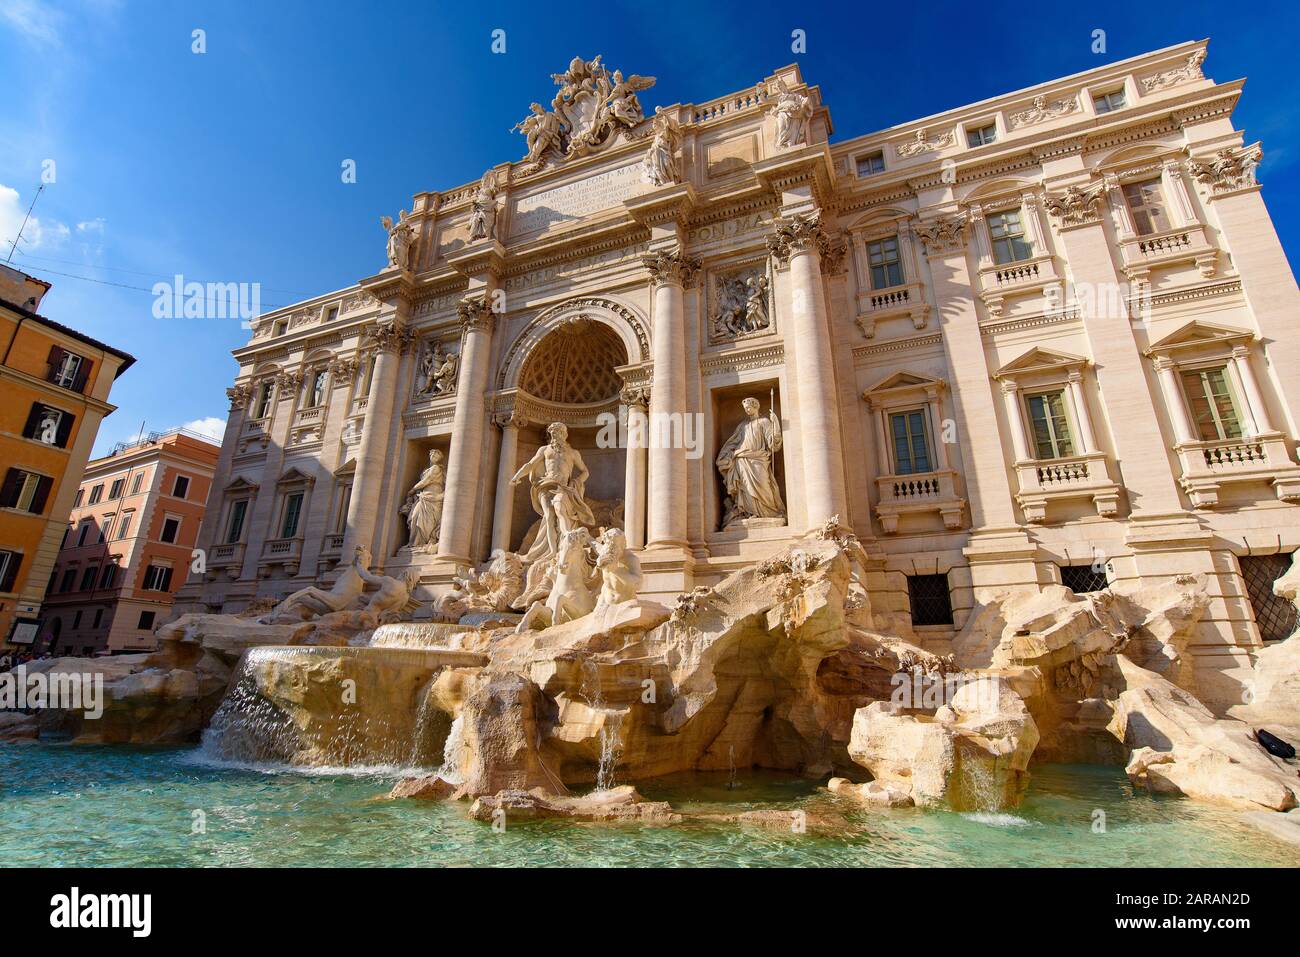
450	770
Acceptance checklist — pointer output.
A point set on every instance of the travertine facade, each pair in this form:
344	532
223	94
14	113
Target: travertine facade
1052	330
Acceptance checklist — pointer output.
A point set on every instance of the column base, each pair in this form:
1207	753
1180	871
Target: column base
667	570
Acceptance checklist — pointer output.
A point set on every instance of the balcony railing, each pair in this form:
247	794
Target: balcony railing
1263	460
998	282
916	494
1043	481
1182	244
877	304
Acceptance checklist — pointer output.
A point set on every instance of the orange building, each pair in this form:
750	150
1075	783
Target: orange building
128	545
54	385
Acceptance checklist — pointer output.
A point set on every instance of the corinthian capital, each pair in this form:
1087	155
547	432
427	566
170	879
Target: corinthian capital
1076	206
474	313
239	396
670	267
797	234
388	336
941	235
635	396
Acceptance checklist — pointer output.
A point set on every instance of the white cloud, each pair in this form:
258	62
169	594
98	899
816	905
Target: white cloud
36	21
210	426
95	225
38	233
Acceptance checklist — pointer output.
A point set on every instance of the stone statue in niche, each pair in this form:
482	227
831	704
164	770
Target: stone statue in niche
311	602
423	506
661	165
400	236
558	477
437	371
741	304
483	220
747	464
792	110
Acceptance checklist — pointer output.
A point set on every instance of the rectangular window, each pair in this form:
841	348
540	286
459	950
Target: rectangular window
929	598
280	327
235	529
1113	100
871	163
69	576
367	376
1047	421
911	444
136	483
76	502
25	491
171	527
76	619
182	486
48	424
331	313
115	490
1082	579
9	562
982	135
88	577
263	407
146	620
886	270
105	529
292	508
157	578
82	532
1008	235
108	577
1147	205
99	617
341	517
1211	403
68	370
124	527
96	494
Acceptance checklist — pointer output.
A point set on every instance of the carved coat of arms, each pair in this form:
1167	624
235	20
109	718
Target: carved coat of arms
589	107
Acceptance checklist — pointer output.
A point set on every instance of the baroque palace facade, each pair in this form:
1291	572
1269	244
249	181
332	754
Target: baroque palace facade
1047	338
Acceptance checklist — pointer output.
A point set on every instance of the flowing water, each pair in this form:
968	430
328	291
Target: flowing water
62	805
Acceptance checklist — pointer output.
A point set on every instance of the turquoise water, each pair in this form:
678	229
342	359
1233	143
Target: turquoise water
118	806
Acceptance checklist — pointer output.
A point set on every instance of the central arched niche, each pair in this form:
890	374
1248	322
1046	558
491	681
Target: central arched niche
570	376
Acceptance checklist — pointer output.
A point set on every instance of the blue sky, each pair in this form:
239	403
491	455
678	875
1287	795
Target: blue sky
225	166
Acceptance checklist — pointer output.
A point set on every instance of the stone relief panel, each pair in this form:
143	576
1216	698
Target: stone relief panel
740	303
437	371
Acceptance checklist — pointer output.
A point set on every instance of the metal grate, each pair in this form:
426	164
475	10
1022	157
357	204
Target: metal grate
931	604
1082	579
1276	617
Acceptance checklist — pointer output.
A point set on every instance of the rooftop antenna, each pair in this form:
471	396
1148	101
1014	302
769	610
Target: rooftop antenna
14	245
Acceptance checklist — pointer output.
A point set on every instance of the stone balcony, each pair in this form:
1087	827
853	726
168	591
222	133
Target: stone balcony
1264	459
283	552
1043	481
226	558
1183	244
997	283
907	300
917	494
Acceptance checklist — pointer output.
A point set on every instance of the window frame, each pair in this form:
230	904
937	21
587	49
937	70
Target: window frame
1014	240
869	158
975	134
927	443
1146	210
1200	370
1054	440
885	264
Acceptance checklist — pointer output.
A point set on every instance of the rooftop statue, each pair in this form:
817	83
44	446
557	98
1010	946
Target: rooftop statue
590	105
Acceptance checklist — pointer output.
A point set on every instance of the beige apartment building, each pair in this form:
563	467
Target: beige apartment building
128	546
1050	337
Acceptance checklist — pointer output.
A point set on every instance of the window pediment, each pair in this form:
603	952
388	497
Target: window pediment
902	385
1197	334
1038	360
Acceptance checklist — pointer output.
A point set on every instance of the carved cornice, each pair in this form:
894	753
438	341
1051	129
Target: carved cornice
1043	110
1190	71
921	143
739	360
942	236
672	268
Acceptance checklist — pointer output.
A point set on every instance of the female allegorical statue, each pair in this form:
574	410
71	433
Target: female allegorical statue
423	508
745	462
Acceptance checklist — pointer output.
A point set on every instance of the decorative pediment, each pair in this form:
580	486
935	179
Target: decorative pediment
901	384
1196	334
240	484
348	468
295	476
1041	360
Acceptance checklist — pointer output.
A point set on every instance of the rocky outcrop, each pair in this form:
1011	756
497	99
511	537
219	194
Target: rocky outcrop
970	755
1179	747
619	805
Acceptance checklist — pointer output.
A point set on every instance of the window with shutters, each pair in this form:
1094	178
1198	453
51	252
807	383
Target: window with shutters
48	425
124	527
96	494
105	529
136	483
157	578
292	512
82	531
88	576
76	502
69	577
235	527
9	562
68	370
25	491
115	490
109	576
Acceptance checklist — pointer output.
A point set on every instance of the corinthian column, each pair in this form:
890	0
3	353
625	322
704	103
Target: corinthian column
635	403
670	275
468	424
503	507
388	338
801	240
